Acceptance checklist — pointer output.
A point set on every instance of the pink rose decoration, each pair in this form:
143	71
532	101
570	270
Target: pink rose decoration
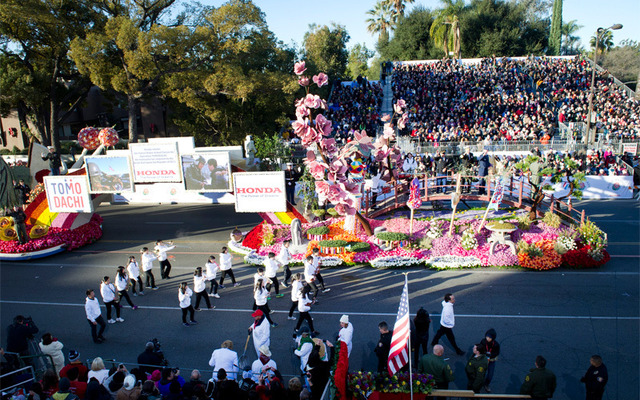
401	103
329	146
316	170
312	101
397	109
299	126
335	194
303	81
322	188
302	112
388	132
321	79
323	125
402	122
299	68
386	118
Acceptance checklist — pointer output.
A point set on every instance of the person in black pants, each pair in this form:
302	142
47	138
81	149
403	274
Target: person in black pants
304	305
422	321
296	288
200	289
94	316
447	322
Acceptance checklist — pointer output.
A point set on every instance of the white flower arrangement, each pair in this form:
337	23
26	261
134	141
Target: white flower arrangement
254	258
395	262
237	247
434	232
331	261
469	241
447	262
564	244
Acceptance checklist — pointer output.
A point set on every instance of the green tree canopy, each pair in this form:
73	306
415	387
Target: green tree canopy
358	64
411	39
325	49
555	32
379	22
38	78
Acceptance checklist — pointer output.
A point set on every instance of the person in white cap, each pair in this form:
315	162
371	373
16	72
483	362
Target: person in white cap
224	358
263	364
346	332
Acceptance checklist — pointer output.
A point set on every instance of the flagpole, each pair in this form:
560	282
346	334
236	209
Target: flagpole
406	282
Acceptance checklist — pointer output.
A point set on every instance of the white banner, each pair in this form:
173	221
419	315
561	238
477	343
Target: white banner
155	162
260	191
68	193
600	187
630	148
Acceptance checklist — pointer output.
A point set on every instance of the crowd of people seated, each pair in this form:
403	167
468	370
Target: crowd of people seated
355	107
505	99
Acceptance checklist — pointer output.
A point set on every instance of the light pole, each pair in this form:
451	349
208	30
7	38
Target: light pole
592	138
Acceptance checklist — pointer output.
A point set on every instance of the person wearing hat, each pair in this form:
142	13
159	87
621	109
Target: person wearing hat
54	160
193	175
263	364
483	170
346	332
64	392
224	358
129	390
260	330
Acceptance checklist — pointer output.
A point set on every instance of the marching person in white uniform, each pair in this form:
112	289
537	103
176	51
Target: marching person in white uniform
147	258
260	330
165	266
211	271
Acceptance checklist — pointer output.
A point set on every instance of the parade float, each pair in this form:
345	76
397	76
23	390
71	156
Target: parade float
441	240
59	212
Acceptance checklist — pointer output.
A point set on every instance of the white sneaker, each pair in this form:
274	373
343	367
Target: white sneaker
236	284
291	318
326	290
112	321
216	295
119	319
135	295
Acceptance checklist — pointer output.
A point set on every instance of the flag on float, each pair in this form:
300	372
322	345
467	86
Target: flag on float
399	353
496	199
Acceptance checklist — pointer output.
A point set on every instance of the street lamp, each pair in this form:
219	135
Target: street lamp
599	33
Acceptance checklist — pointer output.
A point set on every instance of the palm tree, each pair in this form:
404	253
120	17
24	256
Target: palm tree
381	17
398	7
569	41
445	29
605	42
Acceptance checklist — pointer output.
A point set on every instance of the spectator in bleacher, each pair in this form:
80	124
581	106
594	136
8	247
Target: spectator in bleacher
149	391
52	347
95	391
49	383
294	387
175	392
169	375
35	392
98	370
75	362
130	390
224	358
263	363
195	380
409	165
78	388
64	392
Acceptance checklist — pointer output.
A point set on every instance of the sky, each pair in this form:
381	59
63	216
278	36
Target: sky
289	20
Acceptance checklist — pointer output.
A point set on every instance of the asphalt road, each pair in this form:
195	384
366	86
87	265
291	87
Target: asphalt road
564	315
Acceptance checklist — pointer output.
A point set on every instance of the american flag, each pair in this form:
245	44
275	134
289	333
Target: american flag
399	353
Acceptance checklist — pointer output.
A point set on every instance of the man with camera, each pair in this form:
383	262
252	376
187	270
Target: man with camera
151	358
18	336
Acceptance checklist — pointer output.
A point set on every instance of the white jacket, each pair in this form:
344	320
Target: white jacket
257	367
92	309
309	271
185	298
316	262
409	165
121	283
260	296
447	319
134	270
226	261
162	250
346	335
256	277
147	261
211	270
284	256
302	303
270	268
224	359
108	292
54	349
261	335
304	353
199	284
296	286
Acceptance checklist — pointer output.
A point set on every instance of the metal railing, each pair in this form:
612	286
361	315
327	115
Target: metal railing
18	373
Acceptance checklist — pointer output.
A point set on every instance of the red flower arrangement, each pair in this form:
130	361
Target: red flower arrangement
341	371
253	239
550	258
81	236
581	258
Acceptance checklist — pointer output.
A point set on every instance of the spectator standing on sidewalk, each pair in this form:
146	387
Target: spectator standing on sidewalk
540	383
476	369
435	365
596	378
492	350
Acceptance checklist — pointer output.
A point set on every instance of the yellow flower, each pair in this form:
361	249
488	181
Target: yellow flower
417	382
357	386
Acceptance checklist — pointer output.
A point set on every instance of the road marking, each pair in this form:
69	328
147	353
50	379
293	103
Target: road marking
164	223
237	310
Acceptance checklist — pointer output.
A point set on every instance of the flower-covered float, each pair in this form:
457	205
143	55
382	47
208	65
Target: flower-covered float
53	232
349	238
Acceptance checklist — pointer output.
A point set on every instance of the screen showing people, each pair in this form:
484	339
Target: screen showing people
109	174
207	172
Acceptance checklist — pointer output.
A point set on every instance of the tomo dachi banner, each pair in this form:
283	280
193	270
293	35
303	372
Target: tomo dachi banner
68	193
260	191
155	162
